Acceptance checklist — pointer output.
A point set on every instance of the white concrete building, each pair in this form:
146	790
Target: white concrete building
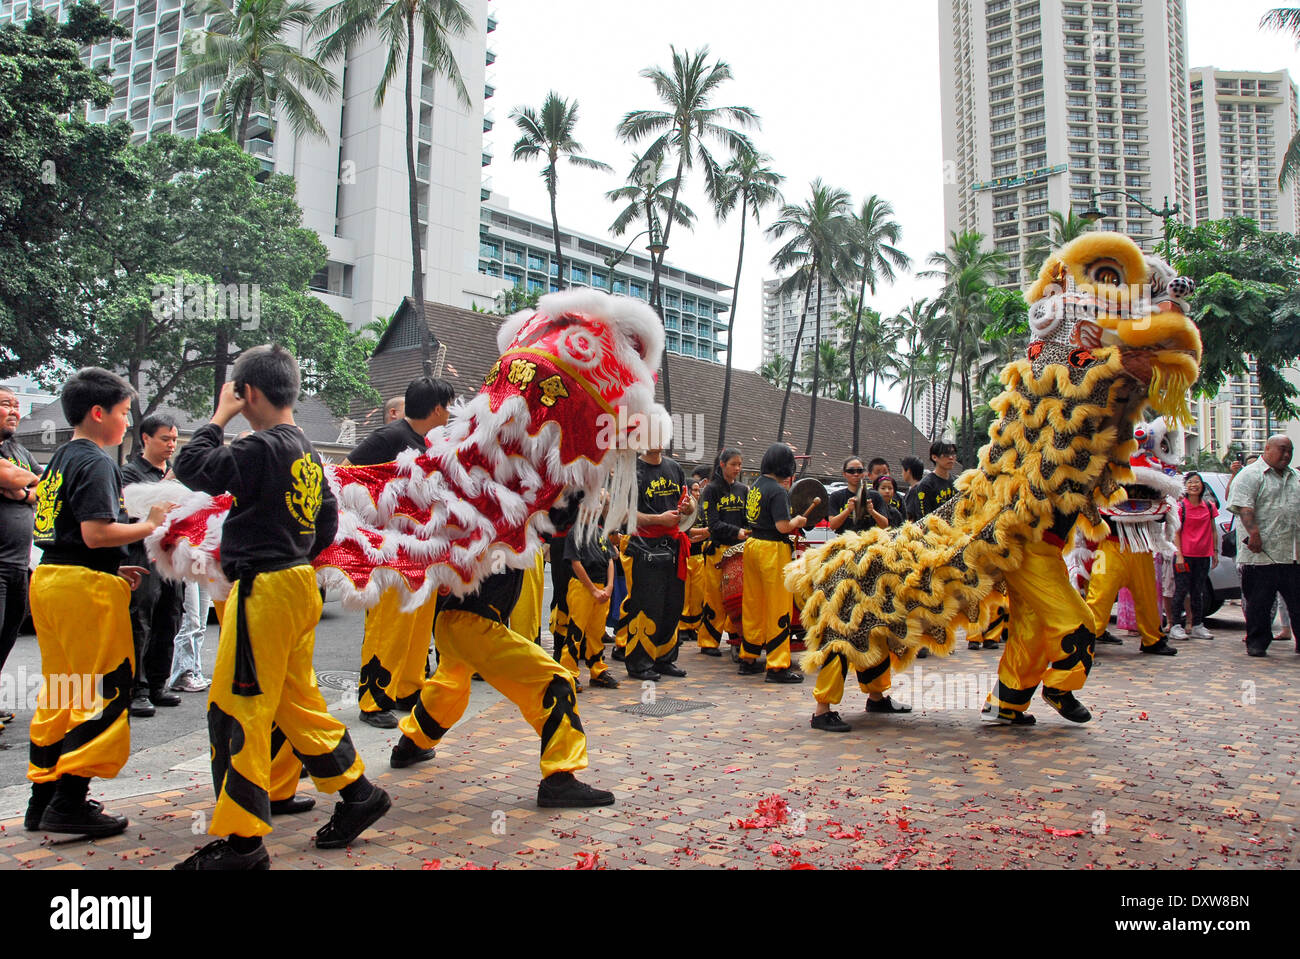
782	312
352	184
1047	101
1241	125
515	249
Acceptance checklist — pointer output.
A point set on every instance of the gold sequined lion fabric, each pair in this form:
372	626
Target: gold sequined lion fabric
1109	336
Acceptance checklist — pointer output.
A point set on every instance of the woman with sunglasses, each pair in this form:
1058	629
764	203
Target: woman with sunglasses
842	502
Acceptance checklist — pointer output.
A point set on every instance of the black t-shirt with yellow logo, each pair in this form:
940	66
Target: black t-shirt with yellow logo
767	504
594	556
723	509
283	512
659	489
81	483
928	495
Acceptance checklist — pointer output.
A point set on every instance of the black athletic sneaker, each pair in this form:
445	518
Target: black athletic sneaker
990	644
618	655
973	645
1162	648
88	819
711	651
1109	639
643	675
787	675
42	793
669	669
220	856
1064	703
380	720
407	753
1005	717
563	791
351	819
751	667
886	705
923	653
830	722
603	681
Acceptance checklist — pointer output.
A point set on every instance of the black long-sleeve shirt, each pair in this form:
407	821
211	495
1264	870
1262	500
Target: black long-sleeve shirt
284	510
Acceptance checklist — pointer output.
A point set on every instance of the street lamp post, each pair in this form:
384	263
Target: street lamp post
1094	213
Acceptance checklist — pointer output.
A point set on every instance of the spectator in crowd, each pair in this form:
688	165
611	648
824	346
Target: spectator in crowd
1196	553
158	606
17	499
913	473
1266	497
394	409
888	491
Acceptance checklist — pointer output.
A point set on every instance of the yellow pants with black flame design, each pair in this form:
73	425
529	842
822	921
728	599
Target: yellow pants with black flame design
768	606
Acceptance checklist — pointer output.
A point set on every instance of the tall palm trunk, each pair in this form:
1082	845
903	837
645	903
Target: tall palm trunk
555	226
245	114
817	369
731	326
853	359
417	264
794	361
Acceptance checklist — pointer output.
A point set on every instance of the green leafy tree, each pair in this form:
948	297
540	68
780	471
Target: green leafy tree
439	21
684	130
918	327
548	133
1246	303
244	53
873	248
816	251
968	272
833	362
516	298
748	180
1286	20
201	262
647	196
57	174
775	370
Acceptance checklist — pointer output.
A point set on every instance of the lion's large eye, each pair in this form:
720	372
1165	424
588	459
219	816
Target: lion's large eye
1105	273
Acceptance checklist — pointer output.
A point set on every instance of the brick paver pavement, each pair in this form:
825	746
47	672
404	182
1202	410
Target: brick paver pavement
1190	761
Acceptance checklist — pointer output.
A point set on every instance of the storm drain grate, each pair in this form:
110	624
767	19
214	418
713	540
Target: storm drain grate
665	707
338	679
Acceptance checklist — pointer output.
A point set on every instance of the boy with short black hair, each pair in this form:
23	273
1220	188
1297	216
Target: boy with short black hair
937	486
283	515
80	729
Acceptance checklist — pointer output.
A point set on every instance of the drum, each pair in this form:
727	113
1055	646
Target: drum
733	581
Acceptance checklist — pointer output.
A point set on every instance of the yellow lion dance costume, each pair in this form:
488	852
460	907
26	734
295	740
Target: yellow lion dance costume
1108	336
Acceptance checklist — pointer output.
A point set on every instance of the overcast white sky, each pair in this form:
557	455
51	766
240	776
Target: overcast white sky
848	90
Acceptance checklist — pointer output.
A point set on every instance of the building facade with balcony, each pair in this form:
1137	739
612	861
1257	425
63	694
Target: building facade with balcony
351	183
519	250
1047	101
1242	123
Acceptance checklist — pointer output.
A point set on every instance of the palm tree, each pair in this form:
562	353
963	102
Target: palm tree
873	245
1064	228
775	370
244	51
968	272
750	180
682	130
395	21
832	360
549	133
645	193
918	326
1286	20
816	249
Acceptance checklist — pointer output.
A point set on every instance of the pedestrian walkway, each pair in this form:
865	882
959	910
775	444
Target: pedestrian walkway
1189	762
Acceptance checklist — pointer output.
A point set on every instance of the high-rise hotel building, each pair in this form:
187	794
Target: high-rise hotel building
1047	101
1241	125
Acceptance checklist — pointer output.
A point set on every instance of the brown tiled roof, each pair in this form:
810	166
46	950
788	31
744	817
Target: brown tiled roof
752	416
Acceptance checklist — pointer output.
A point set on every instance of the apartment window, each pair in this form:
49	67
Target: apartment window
537	263
489	250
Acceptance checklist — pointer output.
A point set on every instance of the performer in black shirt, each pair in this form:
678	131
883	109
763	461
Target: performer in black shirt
395	649
591	583
722	504
937	487
80	607
656	570
843	501
283	515
693	602
768	605
158	606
